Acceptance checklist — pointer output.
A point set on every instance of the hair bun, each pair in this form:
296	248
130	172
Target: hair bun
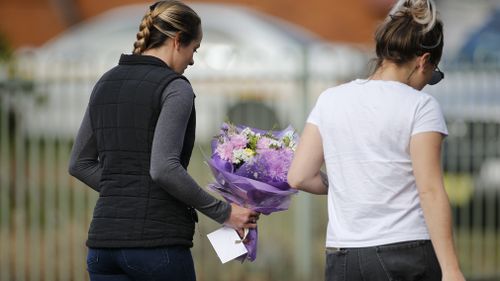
422	12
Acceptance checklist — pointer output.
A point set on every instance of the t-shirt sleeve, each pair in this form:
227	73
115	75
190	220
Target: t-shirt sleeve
429	117
314	116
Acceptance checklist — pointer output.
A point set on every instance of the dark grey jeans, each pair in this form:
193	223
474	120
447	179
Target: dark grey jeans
404	261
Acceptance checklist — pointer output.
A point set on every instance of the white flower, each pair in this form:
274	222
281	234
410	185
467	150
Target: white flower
247	132
242	155
288	140
274	144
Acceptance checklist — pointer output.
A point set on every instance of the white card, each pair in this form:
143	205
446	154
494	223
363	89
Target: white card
226	243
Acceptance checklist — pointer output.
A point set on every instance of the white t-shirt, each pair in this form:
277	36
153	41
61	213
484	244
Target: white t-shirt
366	126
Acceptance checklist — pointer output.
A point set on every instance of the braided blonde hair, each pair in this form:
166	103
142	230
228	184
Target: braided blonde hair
166	19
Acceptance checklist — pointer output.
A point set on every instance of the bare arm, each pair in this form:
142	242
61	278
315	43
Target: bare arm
425	150
304	173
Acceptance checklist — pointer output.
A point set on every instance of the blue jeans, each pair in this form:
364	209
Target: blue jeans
404	261
141	264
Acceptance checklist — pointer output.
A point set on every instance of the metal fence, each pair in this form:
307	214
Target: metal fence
470	98
44	213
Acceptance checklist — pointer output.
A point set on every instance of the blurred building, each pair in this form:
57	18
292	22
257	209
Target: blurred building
469	24
252	68
33	22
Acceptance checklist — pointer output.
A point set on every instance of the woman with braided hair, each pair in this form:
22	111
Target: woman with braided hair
380	138
134	146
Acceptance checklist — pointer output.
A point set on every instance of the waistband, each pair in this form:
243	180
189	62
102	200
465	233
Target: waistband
397	245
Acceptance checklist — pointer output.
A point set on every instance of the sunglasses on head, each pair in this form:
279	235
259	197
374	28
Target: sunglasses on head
437	76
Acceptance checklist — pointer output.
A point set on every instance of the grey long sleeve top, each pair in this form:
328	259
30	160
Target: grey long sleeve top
166	168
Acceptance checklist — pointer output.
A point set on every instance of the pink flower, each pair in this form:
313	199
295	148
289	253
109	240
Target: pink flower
225	151
238	141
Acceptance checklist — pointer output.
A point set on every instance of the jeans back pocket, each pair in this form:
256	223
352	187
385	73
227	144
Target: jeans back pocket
336	265
404	261
145	260
92	259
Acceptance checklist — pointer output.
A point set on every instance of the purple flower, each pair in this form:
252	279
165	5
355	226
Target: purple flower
274	164
224	127
263	144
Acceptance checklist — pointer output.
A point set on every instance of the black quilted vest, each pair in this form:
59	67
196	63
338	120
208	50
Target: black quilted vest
132	210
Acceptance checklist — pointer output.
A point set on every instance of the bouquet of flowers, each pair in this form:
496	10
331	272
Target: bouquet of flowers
250	167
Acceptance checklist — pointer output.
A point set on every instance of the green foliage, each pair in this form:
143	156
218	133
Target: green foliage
252	142
5	48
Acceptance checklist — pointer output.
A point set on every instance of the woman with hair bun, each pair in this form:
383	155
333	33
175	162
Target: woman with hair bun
134	146
380	138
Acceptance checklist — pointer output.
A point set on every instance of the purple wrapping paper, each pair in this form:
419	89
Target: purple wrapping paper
238	186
